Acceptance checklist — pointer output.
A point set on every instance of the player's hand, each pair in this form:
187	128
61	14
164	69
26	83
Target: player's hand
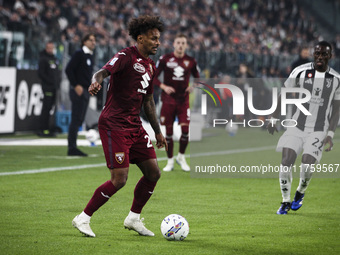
189	89
271	128
328	140
79	90
167	89
161	141
94	88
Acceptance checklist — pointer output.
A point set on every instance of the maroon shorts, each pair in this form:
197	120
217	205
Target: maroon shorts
170	111
124	147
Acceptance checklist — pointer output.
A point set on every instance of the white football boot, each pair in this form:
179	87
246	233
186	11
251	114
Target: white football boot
180	159
83	226
138	226
169	166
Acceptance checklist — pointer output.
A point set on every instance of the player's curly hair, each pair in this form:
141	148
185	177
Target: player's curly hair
142	24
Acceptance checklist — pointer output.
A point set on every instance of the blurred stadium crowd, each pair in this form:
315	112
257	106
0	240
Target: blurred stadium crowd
222	34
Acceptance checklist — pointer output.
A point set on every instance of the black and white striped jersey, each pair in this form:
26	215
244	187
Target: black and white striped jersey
324	88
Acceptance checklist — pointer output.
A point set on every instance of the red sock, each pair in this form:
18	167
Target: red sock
100	197
170	142
184	140
143	192
169	132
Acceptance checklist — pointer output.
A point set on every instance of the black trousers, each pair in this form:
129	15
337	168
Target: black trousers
79	108
48	103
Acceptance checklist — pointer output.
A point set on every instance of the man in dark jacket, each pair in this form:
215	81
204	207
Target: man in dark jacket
79	72
49	74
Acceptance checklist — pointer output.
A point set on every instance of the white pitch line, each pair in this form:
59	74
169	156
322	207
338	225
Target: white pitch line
67	168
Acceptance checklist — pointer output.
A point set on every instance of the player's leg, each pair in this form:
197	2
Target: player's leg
118	163
291	145
143	154
312	154
167	119
79	107
184	120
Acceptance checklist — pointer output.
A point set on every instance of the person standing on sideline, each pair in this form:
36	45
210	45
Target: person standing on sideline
79	72
123	137
313	132
177	68
49	74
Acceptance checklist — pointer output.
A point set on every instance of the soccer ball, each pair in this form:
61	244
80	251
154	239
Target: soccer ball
92	136
175	227
231	129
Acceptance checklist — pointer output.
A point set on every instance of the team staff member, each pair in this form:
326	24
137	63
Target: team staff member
48	72
177	68
123	137
79	72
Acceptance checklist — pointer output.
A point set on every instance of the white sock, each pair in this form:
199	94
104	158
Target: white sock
134	216
286	179
84	216
305	177
180	155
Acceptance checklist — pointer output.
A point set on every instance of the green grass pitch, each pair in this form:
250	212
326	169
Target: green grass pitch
226	215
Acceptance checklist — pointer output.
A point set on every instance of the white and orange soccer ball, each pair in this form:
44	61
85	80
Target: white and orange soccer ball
175	227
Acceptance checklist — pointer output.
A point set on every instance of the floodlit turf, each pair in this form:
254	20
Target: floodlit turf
226	215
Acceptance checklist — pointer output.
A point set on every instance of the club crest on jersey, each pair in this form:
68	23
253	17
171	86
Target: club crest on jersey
139	68
328	82
186	63
120	156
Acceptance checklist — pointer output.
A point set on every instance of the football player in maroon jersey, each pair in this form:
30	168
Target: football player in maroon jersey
177	68
123	137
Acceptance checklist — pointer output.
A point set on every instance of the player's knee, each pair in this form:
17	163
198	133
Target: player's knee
185	129
119	182
154	175
169	131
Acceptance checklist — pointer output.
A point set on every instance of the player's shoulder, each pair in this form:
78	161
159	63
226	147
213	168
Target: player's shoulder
299	69
125	52
165	57
334	73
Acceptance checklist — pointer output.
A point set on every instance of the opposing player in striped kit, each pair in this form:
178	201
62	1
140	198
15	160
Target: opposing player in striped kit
313	133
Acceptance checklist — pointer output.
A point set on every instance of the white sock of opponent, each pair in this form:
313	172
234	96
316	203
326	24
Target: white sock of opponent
286	178
305	177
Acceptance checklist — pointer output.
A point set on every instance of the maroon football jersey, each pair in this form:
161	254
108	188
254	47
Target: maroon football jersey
131	79
177	73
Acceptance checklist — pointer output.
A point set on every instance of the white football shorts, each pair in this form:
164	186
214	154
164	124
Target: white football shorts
309	142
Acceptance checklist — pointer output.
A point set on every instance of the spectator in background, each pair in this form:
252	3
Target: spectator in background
48	72
303	57
79	72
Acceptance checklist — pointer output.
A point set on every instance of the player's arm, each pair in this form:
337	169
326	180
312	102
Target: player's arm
97	79
150	112
333	122
159	69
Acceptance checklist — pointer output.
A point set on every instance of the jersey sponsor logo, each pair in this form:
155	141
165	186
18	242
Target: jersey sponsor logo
317	91
139	68
113	61
178	73
121	53
141	91
171	64
120	156
139	59
145	81
309	81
